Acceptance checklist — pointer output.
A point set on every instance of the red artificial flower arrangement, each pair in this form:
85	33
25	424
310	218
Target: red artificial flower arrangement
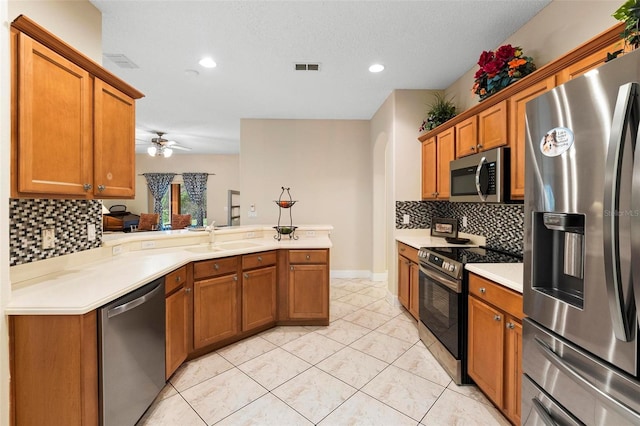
499	69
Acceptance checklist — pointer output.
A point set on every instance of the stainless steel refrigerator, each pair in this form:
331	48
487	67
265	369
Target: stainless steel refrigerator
582	250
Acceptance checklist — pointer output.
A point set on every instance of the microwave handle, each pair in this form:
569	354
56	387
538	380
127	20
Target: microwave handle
483	161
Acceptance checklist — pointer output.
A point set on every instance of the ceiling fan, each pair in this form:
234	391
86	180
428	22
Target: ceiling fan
161	147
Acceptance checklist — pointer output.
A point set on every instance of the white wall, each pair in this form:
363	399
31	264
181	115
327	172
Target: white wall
327	165
227	176
79	24
558	28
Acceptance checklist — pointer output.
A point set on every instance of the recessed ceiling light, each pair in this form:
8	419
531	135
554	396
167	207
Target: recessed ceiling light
191	73
376	68
208	63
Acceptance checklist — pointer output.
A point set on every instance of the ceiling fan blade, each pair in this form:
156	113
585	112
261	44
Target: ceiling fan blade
184	148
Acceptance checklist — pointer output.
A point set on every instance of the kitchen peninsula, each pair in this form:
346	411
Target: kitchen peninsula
259	281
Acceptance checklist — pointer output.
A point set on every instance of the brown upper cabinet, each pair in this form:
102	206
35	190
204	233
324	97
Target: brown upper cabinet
492	127
467	136
588	63
486	130
73	123
437	153
517	135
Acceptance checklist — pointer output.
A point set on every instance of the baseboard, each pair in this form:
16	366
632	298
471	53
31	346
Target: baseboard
392	299
350	274
381	276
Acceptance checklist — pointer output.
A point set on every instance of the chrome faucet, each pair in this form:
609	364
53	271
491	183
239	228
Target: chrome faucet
212	235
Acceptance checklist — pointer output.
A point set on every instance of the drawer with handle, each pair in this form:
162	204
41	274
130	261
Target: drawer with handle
308	256
175	279
214	267
497	295
258	260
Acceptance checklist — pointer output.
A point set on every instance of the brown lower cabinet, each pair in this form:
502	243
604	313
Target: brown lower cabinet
177	291
408	276
309	285
54	369
495	344
209	304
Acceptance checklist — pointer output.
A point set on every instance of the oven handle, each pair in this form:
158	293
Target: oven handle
483	162
454	285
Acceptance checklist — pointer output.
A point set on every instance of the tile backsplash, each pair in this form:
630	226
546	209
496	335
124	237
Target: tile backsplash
502	224
69	218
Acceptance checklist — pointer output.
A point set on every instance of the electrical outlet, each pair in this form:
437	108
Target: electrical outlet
48	238
406	219
464	221
148	244
91	231
253	214
250	234
310	233
115	250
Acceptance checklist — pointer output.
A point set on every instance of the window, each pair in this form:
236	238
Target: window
176	200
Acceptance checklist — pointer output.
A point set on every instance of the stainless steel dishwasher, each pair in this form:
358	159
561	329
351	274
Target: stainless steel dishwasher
132	354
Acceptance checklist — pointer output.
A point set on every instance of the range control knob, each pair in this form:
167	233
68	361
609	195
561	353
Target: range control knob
452	268
445	265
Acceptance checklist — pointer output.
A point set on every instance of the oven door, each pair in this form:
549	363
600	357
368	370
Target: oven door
442	308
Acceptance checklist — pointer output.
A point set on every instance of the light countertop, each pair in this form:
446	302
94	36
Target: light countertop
78	288
509	275
417	238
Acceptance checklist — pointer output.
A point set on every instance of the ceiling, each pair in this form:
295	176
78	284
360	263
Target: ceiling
423	45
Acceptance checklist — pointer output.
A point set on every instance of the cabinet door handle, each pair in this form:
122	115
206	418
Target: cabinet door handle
479	146
473	148
235	278
246	276
497	317
187	290
216	266
291	267
87	186
483	290
178	278
101	188
402	249
308	257
510	326
437	193
259	258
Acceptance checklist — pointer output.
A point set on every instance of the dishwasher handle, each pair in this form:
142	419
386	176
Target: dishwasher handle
121	309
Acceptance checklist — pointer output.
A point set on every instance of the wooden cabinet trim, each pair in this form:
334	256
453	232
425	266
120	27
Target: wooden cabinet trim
408	252
35	31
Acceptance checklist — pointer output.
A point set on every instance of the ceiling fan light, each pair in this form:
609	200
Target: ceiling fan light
167	152
152	151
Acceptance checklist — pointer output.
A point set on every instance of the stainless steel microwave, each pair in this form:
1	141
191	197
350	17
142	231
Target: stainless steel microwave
481	178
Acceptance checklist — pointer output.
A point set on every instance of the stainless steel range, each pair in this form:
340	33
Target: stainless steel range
443	292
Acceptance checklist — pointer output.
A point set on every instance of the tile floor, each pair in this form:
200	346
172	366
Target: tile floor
367	368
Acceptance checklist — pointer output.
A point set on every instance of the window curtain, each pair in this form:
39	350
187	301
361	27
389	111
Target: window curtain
158	184
196	185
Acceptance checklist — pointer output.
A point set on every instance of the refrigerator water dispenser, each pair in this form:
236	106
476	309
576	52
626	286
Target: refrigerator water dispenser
558	256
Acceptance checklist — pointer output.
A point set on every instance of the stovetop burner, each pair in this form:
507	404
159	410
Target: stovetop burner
451	260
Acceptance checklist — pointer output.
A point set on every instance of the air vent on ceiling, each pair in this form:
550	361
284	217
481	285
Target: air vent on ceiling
121	60
307	67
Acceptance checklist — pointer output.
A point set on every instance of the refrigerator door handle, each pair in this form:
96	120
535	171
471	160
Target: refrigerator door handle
613	277
543	413
482	195
577	377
